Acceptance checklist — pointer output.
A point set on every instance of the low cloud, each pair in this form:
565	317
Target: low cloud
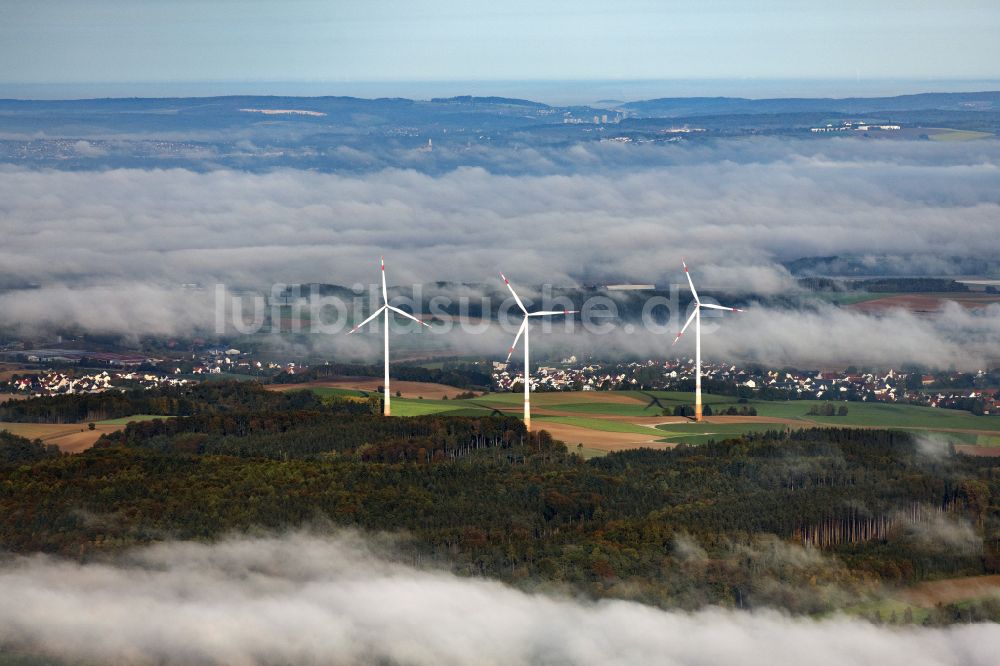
111	248
935	446
812	337
687	549
829	336
310	600
88	149
943	535
130	310
734	209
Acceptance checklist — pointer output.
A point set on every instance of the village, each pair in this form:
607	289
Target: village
57	372
891	386
68	372
54	382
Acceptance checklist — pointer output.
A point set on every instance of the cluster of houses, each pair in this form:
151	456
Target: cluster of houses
888	386
215	361
123	370
59	383
585	378
849	126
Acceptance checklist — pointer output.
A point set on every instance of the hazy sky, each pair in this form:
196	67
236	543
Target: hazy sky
45	41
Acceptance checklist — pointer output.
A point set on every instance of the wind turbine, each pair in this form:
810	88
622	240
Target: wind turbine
524	330
696	317
385	309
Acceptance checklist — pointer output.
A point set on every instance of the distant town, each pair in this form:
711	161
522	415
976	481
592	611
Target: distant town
55	371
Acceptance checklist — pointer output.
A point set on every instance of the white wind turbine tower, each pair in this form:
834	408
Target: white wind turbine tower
524	330
696	317
385	309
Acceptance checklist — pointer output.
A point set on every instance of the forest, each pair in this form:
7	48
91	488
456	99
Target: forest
808	521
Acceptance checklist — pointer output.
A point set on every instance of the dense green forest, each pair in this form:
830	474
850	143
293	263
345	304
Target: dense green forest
808	521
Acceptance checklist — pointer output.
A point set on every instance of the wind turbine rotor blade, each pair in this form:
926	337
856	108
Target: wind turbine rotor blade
514	293
718	307
373	315
694	292
408	315
520	331
546	313
694	313
385	293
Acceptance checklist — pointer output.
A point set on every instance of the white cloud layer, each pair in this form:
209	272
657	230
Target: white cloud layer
111	248
309	600
819	336
733	210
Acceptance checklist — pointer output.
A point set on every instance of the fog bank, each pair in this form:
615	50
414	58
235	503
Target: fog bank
310	600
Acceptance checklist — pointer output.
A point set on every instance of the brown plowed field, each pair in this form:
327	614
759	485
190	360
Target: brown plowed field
600	440
69	437
926	303
951	590
980	451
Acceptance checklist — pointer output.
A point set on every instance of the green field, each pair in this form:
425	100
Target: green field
588	453
602	425
516	398
903	416
417	407
325	391
969	438
609	408
129	419
676	397
697	433
886	608
958	135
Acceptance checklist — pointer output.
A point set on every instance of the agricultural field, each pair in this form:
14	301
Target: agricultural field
8	370
919	601
599	422
948	134
72	437
69	437
128	419
850	297
924	302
